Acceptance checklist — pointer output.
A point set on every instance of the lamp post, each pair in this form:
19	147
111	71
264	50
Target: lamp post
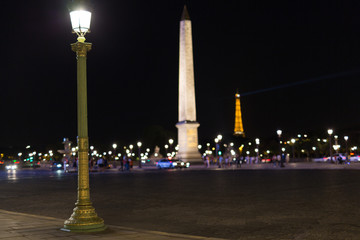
336	145
279	132
293	140
84	217
257	142
139	144
171	141
330	132
346	138
114	147
216	140
166	149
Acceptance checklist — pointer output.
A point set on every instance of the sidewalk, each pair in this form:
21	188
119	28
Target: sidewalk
20	226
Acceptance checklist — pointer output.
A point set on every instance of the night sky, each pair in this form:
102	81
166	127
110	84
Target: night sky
296	64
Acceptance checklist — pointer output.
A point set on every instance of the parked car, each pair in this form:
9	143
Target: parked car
337	157
180	164
354	158
164	163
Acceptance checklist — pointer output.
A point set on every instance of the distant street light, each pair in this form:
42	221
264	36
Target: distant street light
330	132
84	217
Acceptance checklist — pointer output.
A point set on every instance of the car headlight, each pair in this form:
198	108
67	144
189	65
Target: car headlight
174	164
187	164
182	164
13	167
59	165
8	167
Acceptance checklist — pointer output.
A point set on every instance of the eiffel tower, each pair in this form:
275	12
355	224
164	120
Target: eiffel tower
238	128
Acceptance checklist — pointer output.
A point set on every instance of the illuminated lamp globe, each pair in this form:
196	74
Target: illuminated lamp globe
80	16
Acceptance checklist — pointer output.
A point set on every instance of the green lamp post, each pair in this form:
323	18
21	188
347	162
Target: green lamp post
84	217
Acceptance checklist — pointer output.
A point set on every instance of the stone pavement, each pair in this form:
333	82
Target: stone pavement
20	226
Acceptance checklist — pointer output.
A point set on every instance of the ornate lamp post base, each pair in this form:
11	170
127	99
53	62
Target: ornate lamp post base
84	219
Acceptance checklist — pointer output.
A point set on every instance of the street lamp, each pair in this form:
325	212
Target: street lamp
84	217
139	144
330	132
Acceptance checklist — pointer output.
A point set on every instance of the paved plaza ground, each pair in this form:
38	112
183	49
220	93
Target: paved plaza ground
300	201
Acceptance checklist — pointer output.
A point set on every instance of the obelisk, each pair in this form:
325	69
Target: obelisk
187	125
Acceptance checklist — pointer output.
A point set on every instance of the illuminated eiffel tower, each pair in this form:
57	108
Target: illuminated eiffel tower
238	129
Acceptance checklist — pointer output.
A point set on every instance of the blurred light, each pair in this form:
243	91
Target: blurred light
80	21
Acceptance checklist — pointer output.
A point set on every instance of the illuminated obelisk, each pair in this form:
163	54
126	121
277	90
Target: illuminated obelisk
238	128
187	125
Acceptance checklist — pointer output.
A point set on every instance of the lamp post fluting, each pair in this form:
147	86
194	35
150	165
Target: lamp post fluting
84	217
